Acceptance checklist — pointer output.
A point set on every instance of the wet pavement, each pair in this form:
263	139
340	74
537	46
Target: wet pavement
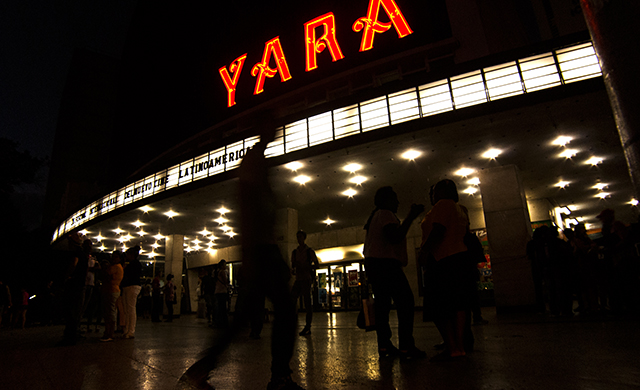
511	352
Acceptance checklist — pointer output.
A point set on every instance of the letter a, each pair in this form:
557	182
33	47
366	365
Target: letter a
371	25
262	69
328	39
231	83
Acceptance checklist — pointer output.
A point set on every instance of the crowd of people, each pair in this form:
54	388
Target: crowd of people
600	274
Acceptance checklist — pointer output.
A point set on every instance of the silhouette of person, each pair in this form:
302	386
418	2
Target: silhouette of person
443	231
303	264
265	271
385	253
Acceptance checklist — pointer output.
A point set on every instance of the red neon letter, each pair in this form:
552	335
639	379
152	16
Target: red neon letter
231	83
371	25
262	69
328	39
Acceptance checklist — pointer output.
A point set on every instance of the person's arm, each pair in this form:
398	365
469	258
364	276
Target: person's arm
395	233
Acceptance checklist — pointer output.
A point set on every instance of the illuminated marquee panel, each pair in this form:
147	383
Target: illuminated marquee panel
497	82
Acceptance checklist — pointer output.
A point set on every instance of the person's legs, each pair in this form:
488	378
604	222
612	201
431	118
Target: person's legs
377	270
405	306
222	318
130	296
109	313
169	311
306	295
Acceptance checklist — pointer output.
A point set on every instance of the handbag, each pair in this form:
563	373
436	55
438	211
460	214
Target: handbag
366	317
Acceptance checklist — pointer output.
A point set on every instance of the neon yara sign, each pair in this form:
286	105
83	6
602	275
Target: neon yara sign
315	44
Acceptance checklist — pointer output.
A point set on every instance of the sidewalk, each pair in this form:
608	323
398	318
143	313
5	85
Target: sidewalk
512	352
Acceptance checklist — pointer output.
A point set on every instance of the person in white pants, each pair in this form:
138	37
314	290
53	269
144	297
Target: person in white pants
130	289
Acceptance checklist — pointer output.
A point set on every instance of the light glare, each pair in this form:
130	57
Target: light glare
353	167
411	154
562	184
492	153
302	179
294	165
568	153
594	160
358	180
350	192
464	171
562	140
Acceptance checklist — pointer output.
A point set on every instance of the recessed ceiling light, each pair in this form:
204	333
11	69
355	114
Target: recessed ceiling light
221	220
137	223
474	182
170	213
141	233
600	186
603	195
204	232
350	192
594	160
99	237
118	231
155	245
222	210
102	248
225	228
568	153
84	232
158	236
464	171
470	190
197	247
196	241
294	165
188	249
353	167
562	184
492	153
231	234
572	207
328	221
633	202
124	248
358	180
212	251
146	209
411	154
302	179
562	140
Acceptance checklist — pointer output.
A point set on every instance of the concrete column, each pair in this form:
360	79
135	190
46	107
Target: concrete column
285	231
508	231
615	31
174	253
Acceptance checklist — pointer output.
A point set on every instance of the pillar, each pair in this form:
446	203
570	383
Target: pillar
508	232
615	31
173	257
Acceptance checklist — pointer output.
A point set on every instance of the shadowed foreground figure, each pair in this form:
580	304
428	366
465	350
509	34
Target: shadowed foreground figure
264	273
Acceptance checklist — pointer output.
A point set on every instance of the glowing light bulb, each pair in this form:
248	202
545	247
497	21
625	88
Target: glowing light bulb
492	153
474	182
358	180
223	210
568	153
350	192
294	165
470	190
170	213
562	140
464	171
411	154
302	179
353	167
594	161
562	184
328	221
146	209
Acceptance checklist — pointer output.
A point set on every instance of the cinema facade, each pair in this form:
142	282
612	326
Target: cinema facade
381	92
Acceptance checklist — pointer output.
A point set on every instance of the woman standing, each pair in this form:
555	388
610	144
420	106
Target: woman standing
385	253
443	232
110	293
130	290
